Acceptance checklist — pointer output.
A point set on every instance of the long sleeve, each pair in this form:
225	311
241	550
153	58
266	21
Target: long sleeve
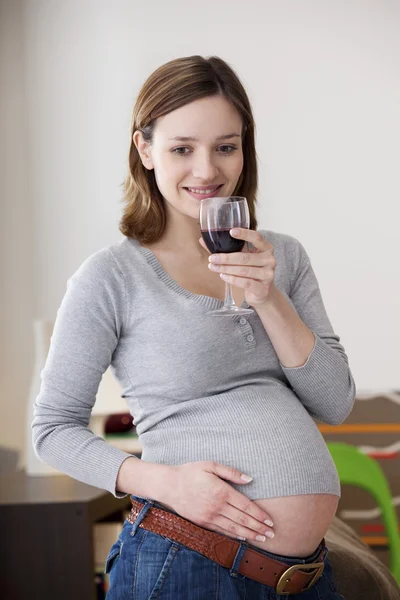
324	384
86	332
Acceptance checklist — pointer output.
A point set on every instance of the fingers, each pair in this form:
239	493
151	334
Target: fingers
264	274
258	259
243	258
233	529
250	508
242	520
253	237
259	289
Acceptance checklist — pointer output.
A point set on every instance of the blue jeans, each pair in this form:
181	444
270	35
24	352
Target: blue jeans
146	566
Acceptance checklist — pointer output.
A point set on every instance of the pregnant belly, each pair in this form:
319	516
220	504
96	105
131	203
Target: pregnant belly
300	522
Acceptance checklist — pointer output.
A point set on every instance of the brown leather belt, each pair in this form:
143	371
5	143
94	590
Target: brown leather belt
286	579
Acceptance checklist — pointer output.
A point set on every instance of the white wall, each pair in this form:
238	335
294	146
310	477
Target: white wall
16	234
324	80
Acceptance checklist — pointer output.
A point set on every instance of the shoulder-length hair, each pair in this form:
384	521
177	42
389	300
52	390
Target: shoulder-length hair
171	86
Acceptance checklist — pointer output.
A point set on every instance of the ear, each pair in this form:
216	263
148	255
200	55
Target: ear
143	148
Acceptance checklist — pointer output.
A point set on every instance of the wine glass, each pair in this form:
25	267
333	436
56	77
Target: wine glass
217	217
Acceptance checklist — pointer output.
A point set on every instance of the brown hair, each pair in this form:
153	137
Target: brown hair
171	86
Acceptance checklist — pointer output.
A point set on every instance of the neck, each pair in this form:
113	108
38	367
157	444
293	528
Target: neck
182	236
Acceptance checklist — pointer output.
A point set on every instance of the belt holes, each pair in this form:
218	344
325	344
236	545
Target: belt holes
261	568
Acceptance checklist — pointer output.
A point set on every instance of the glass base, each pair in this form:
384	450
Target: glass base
230	311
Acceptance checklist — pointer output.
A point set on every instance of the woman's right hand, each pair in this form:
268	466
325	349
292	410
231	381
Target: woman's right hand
199	493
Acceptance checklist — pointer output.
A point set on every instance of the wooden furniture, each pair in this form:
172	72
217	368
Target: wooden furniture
47	537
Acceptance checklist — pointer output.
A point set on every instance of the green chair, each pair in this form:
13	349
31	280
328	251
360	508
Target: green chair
356	468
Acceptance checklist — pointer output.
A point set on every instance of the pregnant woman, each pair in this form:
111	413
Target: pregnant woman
236	488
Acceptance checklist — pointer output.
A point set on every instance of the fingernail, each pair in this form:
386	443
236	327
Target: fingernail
270	534
246	478
268	522
234	231
239	537
260	538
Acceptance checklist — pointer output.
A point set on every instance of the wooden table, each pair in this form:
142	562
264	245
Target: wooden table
47	538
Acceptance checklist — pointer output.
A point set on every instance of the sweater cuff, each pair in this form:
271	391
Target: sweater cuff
114	490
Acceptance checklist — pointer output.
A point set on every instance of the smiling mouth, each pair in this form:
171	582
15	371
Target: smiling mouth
203	190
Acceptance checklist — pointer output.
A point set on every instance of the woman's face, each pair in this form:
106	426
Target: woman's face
196	153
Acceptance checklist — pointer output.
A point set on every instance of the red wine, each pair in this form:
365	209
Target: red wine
220	240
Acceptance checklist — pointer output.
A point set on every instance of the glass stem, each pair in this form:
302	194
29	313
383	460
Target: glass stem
229	301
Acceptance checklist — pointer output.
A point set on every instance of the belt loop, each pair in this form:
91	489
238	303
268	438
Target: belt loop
238	559
147	505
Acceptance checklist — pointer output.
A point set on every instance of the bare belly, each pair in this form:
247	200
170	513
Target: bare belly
300	522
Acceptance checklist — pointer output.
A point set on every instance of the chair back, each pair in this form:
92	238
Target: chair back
356	468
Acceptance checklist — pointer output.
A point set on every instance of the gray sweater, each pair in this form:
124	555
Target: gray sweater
198	387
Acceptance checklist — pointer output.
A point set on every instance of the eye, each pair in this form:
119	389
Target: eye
226	149
181	151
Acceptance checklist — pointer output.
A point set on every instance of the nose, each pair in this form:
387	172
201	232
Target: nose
205	167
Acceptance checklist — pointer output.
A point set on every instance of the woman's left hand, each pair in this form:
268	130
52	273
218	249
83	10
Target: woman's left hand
251	270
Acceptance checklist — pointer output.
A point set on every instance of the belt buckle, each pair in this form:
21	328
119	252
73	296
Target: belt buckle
285	577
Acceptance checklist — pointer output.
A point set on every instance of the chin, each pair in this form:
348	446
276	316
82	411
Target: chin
192	212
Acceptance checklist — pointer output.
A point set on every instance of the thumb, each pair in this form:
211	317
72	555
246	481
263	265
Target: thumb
230	474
